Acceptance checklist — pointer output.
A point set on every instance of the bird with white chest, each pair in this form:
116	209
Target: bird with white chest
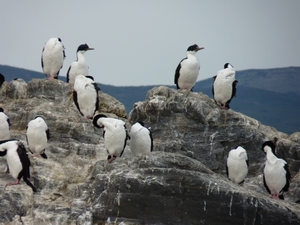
276	174
187	71
37	136
4	126
53	56
114	134
79	67
237	165
85	96
224	86
17	161
141	141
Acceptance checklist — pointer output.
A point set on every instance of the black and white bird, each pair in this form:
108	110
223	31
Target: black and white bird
53	56
114	134
141	141
4	126
224	86
37	135
85	96
237	165
17	161
79	66
187	71
276	175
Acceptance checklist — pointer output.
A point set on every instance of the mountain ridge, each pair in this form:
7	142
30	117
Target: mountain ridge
268	95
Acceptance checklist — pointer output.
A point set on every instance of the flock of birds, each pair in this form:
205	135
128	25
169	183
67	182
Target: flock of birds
276	175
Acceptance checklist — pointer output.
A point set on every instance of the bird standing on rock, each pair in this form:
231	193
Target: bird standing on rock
79	67
114	133
276	175
17	160
85	96
187	71
37	136
141	141
224	86
237	165
53	56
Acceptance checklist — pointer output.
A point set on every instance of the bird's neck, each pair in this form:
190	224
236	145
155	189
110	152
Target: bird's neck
80	57
190	54
271	157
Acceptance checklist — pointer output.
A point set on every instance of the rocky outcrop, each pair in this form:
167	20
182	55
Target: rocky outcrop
182	182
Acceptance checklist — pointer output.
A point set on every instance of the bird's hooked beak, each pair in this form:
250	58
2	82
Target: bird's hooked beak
199	48
90	49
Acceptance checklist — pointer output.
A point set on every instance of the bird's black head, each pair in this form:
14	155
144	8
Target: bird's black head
84	47
194	48
59	39
1	109
96	118
227	65
270	144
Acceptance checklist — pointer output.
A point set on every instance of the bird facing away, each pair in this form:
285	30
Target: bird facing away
187	71
85	96
276	175
141	141
79	66
17	160
53	56
224	86
114	134
237	165
37	136
4	126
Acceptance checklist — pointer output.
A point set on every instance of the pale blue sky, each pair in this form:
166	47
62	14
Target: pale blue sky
141	42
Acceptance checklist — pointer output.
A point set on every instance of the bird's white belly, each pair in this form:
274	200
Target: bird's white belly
275	179
87	102
237	171
140	144
222	90
114	142
37	140
188	74
4	131
14	163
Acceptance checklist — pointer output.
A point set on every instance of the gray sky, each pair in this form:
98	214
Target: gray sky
141	42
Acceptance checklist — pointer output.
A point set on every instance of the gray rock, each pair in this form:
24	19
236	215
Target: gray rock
182	182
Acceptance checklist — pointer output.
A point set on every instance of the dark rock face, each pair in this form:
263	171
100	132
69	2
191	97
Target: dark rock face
182	182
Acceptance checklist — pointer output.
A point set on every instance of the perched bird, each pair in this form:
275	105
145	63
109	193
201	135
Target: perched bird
4	126
276	175
85	96
17	160
53	56
79	66
224	86
2	79
141	141
114	134
237	165
37	135
187	71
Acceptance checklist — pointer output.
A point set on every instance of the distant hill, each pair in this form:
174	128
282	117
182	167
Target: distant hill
271	96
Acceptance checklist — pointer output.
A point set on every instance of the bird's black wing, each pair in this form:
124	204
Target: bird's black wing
213	90
97	98
124	141
151	138
48	134
288	178
234	88
75	101
42	61
177	74
227	173
68	74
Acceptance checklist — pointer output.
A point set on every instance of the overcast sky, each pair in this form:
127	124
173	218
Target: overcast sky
141	42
